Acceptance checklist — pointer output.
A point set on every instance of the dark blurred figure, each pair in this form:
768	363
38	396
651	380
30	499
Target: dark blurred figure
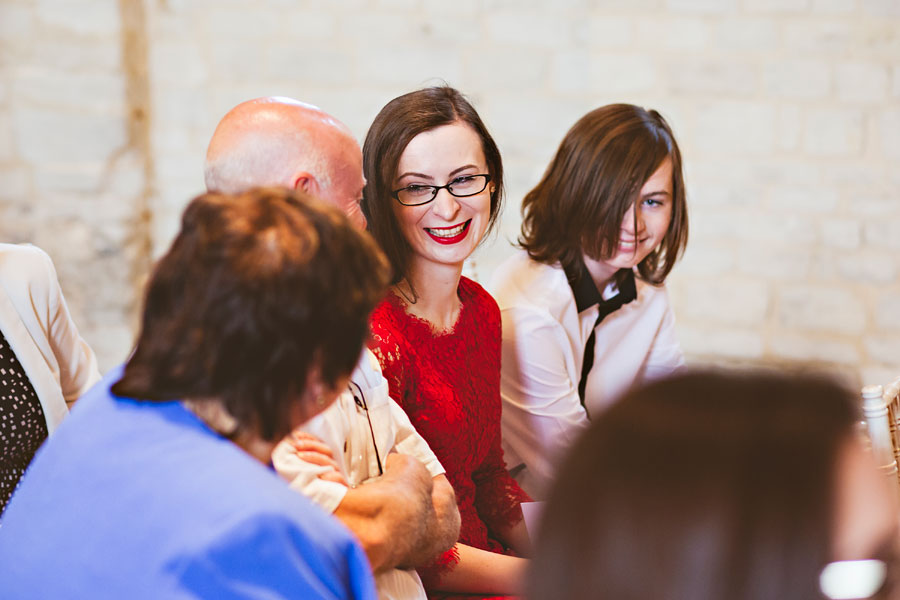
713	486
158	486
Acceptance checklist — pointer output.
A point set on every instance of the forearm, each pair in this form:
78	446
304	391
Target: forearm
391	516
442	531
517	538
483	572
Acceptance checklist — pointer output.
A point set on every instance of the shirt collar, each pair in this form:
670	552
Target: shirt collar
587	294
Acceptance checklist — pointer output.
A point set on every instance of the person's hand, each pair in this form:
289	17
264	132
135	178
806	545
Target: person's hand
312	450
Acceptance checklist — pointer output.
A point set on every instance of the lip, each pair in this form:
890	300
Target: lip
449	240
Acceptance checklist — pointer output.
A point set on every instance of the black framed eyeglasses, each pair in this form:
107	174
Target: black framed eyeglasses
461	187
360	399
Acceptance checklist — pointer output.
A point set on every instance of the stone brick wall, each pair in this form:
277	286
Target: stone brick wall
788	112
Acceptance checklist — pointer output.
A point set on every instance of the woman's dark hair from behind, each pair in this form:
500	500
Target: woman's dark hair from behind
402	119
602	162
708	486
256	289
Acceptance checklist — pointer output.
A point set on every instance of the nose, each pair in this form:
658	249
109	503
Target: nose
446	205
631	224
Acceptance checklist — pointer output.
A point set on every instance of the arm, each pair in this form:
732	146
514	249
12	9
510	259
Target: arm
542	413
665	353
77	364
484	572
394	514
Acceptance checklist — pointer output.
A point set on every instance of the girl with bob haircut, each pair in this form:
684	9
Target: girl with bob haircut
720	486
585	313
435	183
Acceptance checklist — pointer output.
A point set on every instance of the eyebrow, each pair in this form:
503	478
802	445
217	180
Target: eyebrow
430	178
656	193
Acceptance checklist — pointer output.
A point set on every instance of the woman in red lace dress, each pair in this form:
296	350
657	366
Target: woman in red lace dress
435	180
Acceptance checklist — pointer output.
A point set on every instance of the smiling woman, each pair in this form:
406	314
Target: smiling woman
435	180
585	314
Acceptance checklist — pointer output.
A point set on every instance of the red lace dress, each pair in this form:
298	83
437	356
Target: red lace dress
449	385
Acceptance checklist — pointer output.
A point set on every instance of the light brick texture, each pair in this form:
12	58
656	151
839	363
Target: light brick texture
787	111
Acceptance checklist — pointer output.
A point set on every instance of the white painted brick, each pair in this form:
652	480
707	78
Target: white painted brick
882	233
745	34
776	6
734	195
863	83
813	348
410	67
720	341
807	199
675	33
730	77
605	74
834	7
534	29
702	6
803	79
633	6
314	25
15	186
841	233
881	8
60	54
7	147
879	373
871	204
239	61
178	62
522	69
83	17
776	262
322	65
889	132
467	8
887	309
820	38
56	180
17	21
833	132
883	348
790	127
100	92
895	90
43	135
820	308
735	128
706	259
726	300
398	4
608	31
867	265
239	23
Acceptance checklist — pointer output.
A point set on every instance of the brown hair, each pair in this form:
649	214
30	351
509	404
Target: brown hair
704	487
598	170
256	289
402	119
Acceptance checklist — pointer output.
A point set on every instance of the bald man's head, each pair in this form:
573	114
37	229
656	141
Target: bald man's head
284	142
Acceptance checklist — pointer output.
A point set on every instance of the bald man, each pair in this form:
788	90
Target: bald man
360	459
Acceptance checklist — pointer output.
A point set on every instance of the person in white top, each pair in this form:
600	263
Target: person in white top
585	313
406	513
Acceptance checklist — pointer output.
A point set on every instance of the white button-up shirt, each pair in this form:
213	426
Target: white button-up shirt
344	427
544	337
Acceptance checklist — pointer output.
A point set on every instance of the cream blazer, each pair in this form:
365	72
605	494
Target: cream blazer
35	321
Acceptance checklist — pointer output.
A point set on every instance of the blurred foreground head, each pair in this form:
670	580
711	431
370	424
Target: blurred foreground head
714	486
260	305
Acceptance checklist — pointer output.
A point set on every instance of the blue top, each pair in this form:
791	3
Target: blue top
134	499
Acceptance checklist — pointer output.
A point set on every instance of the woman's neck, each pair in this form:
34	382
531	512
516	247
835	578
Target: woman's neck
431	294
601	273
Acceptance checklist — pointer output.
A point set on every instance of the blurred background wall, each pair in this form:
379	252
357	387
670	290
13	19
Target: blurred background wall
787	111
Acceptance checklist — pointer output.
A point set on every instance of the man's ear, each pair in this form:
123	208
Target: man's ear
305	182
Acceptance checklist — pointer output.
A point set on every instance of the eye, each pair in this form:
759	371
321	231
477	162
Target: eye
462	180
417	190
653	202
